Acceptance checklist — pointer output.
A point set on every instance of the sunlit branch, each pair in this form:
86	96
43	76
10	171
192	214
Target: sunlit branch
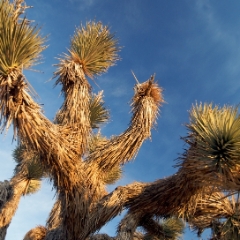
74	113
123	148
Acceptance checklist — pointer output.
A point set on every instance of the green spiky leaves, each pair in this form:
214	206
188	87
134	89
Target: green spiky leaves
173	227
29	167
20	43
33	173
113	175
168	229
215	136
98	113
94	48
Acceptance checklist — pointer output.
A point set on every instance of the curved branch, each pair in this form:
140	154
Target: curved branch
127	226
121	149
156	198
110	206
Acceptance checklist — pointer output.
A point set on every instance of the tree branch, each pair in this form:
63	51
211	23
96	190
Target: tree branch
11	193
74	112
121	149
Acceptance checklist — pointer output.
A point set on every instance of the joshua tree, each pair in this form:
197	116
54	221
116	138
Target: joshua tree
29	172
81	163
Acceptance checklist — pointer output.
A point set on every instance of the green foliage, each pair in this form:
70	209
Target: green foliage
113	176
28	165
173	227
34	174
33	187
34	169
94	48
98	113
20	43
170	229
215	136
18	153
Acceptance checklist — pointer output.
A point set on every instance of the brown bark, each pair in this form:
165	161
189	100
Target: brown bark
78	183
74	113
123	148
9	204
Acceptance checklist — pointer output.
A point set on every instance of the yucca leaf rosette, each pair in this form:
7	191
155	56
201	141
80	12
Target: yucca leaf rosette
98	112
29	167
214	139
97	140
20	42
170	228
34	174
20	48
94	48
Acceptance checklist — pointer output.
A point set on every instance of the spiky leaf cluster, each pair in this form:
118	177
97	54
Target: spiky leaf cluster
94	48
173	227
114	175
98	113
215	136
18	153
20	43
169	229
28	165
34	174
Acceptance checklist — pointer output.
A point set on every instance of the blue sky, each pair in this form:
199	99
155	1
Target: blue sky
193	46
